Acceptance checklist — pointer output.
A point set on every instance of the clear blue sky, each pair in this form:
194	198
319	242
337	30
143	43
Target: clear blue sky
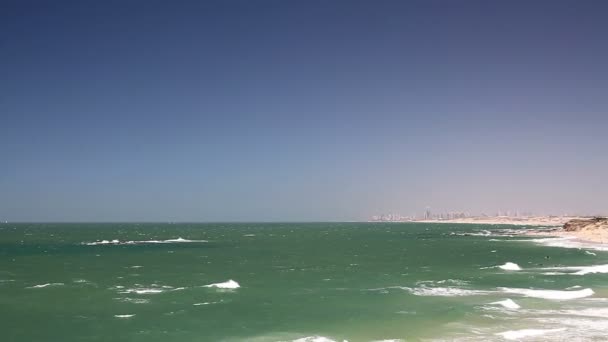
300	110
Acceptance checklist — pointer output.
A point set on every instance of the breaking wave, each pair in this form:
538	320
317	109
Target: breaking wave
444	291
45	285
519	334
314	339
153	289
230	284
569	242
510	266
507	303
142	291
137	242
580	270
550	294
134	300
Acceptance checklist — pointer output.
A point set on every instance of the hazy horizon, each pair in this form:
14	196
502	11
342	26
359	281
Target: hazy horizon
222	111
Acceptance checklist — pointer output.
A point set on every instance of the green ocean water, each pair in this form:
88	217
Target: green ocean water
297	282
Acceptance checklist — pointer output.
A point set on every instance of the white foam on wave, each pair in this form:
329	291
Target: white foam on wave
230	284
443	291
477	233
579	328
481	233
124	316
510	266
458	282
580	270
524	333
507	303
151	289
206	303
45	285
592	269
550	294
136	242
596	312
81	281
555	273
569	242
314	339
590	253
143	291
179	239
134	300
102	242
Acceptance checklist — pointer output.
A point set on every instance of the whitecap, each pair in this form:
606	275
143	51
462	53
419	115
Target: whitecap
550	294
230	284
443	291
569	242
477	233
102	242
579	328
136	242
208	303
453	281
143	291
314	339
507	303
581	270
510	266
45	285
124	316
179	239
555	273
592	269
590	253
81	281
134	300
519	334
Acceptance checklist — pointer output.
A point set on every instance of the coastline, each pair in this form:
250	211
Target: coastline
541	221
585	235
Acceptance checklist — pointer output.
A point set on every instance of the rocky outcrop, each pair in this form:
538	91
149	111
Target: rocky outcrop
586	224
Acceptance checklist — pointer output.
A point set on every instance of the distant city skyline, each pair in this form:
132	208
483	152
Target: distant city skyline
300	111
429	214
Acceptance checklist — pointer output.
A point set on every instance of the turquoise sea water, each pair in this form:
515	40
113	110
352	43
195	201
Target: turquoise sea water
296	282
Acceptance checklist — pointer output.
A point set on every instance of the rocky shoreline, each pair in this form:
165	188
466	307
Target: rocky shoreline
544	221
584	229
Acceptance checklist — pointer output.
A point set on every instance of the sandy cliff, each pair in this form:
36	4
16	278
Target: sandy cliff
586	224
593	229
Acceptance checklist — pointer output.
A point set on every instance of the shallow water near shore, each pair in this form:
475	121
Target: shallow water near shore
296	282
